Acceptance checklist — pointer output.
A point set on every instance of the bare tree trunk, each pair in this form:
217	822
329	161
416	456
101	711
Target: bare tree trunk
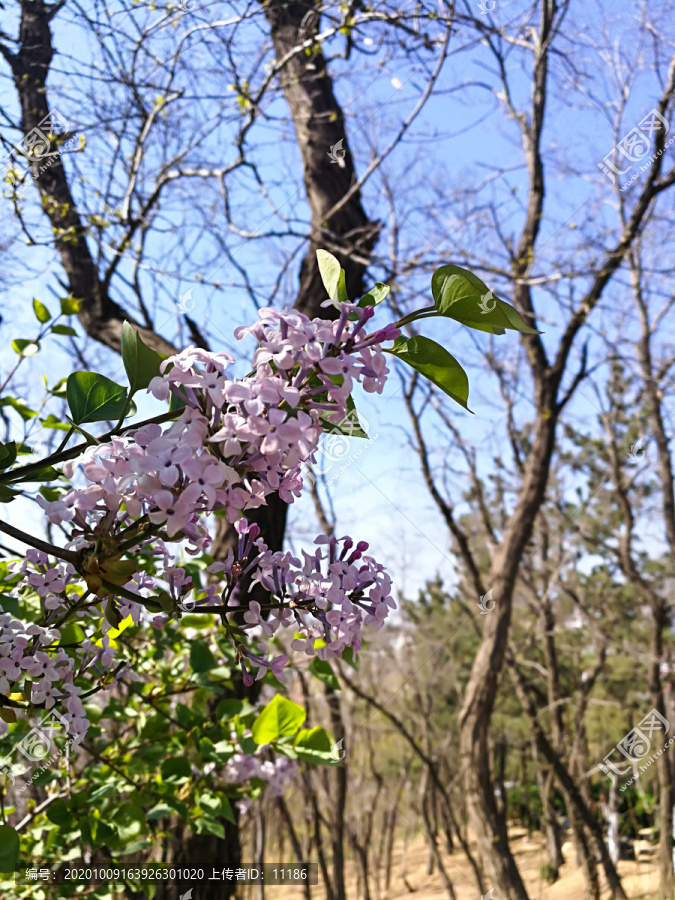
432	836
553	840
431	767
660	608
666	824
341	774
403	784
611	812
100	316
577	801
259	846
295	841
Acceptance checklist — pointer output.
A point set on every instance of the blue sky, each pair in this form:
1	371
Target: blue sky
462	154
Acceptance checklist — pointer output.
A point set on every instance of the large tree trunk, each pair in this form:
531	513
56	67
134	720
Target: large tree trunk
319	125
660	608
488	826
100	316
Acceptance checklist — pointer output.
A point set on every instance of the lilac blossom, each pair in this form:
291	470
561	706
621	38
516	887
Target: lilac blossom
235	442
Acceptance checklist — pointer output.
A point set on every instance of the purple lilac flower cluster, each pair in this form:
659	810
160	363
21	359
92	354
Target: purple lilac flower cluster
242	767
235	442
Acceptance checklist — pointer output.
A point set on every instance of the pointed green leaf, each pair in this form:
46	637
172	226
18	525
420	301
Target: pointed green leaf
280	717
375	295
69	306
140	362
461	295
330	270
201	658
64	330
226	809
94	398
24	347
314	745
435	363
322	670
175	402
9	848
8	453
42	314
176	769
19	406
51	421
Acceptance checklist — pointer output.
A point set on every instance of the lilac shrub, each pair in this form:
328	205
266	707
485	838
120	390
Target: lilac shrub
151	492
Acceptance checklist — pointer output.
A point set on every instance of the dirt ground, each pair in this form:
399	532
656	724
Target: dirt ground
640	878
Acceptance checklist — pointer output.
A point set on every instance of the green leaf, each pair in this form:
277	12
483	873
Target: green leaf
158	811
69	306
201	658
104	791
228	709
322	670
140	362
208	825
313	745
281	716
343	296
41	312
94	398
19	406
351	660
7	494
51	494
175	402
349	425
226	810
461	295
9	848
375	295
435	363
43	778
8	453
52	422
129	822
176	769
24	347
65	330
332	276
59	389
59	814
72	633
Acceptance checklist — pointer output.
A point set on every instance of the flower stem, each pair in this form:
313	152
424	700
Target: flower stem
72	452
68	555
